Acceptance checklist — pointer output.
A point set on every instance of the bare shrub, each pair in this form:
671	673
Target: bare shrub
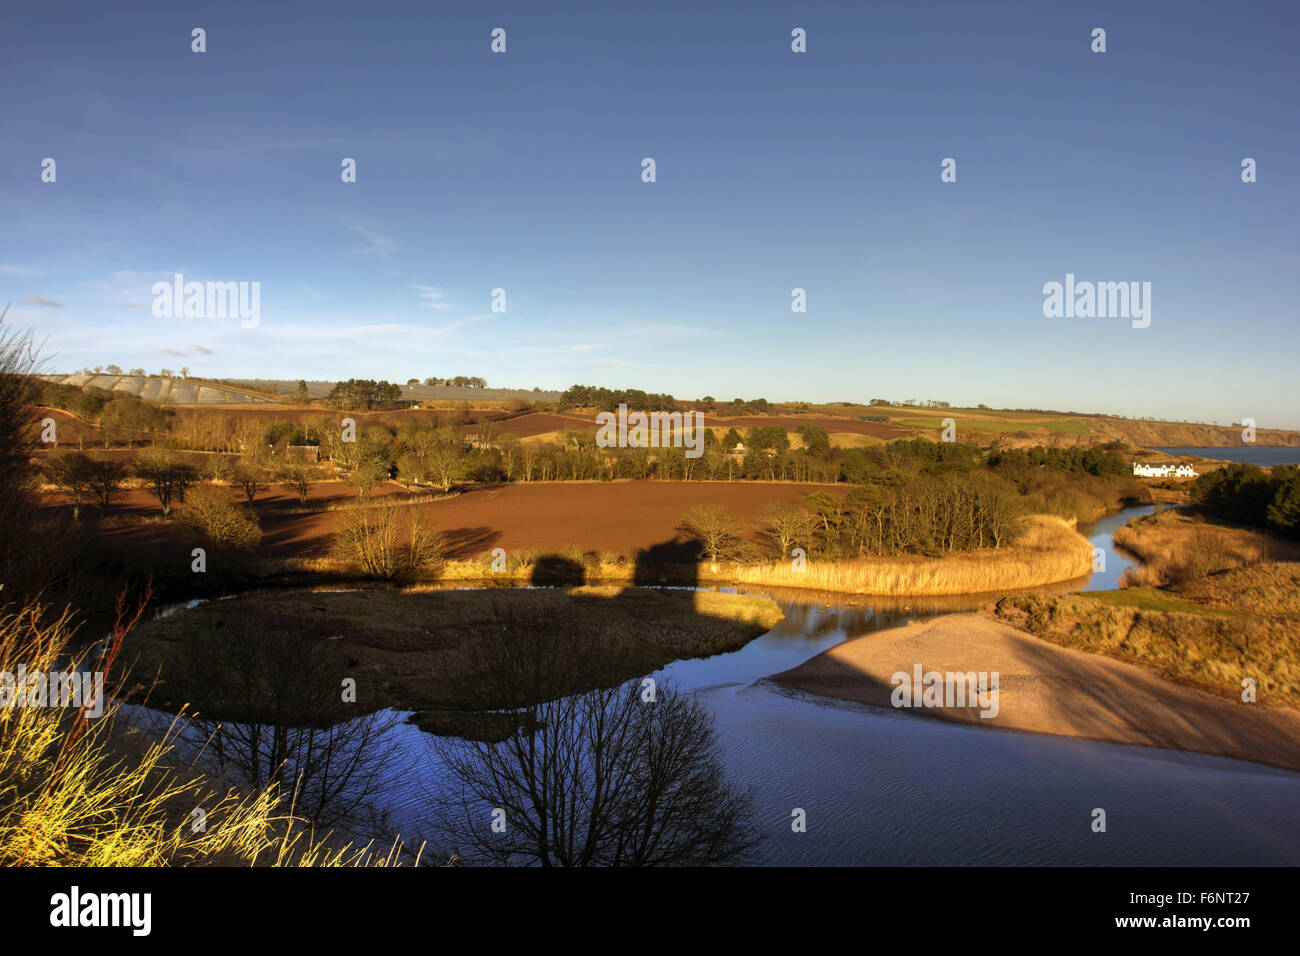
388	541
211	513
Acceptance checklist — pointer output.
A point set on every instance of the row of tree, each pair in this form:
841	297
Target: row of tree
363	394
459	381
117	370
1249	495
92	479
929	515
589	396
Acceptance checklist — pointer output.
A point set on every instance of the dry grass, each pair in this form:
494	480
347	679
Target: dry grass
79	791
1049	550
1207	649
1209	608
1176	547
1261	589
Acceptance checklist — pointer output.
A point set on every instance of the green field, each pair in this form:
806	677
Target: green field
1151	599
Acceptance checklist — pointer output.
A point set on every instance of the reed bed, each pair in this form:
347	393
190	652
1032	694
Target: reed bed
1176	547
1049	550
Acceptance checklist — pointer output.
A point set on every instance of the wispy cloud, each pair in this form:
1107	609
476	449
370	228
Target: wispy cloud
129	305
19	271
41	300
311	292
192	350
380	245
460	324
433	297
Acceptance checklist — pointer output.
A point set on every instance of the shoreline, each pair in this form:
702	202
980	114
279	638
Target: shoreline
1052	553
1047	689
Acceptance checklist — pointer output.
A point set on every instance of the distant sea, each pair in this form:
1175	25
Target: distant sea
1250	454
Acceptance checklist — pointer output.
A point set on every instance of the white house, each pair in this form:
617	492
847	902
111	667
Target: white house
1163	471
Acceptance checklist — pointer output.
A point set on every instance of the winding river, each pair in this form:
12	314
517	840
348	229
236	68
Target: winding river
880	787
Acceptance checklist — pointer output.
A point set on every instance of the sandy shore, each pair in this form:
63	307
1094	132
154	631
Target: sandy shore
1047	689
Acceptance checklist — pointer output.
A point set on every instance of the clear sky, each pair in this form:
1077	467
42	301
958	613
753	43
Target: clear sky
775	170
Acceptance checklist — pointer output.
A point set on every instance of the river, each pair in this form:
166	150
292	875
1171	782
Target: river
881	787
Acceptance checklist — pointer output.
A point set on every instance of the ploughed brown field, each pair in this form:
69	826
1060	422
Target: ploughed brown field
541	423
618	516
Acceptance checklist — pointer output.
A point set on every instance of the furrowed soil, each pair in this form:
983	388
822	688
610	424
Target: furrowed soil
595	517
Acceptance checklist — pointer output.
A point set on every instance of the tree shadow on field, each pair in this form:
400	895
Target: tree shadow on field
555	570
466	543
672	562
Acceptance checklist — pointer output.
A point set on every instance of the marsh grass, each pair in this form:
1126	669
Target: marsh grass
1177	547
76	791
1211	607
1049	550
1206	648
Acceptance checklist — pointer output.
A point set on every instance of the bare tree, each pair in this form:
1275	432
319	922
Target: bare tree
70	472
249	477
270	709
167	475
603	777
298	477
446	463
366	475
106	476
218	520
786	525
717	529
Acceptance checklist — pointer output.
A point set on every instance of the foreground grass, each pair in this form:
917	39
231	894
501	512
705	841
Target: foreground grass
78	791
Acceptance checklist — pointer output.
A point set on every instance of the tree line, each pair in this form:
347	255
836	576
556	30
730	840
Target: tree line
1249	495
929	515
589	396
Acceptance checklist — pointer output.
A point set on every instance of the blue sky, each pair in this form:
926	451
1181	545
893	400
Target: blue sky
775	170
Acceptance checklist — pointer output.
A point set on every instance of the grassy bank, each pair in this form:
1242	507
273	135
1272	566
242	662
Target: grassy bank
1211	606
1210	648
1178	546
417	649
1048	551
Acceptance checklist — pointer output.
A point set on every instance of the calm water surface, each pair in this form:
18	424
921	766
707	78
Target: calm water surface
1250	454
881	787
